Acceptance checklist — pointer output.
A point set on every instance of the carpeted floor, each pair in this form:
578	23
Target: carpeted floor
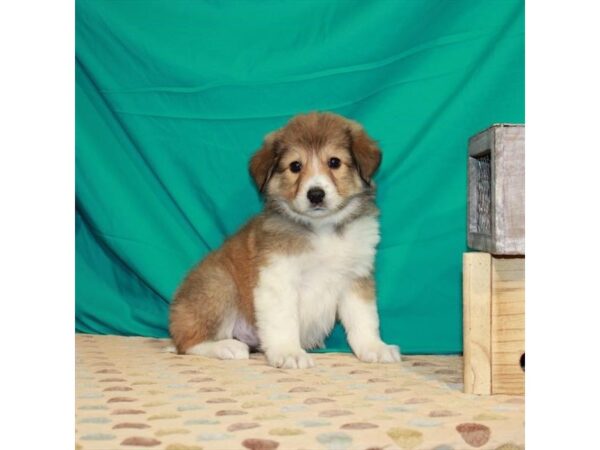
130	394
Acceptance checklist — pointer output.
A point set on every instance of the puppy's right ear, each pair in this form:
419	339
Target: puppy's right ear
264	161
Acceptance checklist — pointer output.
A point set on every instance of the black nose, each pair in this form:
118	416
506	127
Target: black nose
315	195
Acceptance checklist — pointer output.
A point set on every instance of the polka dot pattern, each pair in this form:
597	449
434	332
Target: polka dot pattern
130	394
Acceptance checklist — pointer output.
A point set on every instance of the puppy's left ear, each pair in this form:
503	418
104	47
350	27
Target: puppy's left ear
264	161
364	151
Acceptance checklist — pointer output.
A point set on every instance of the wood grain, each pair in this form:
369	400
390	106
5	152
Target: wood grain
505	145
508	324
477	323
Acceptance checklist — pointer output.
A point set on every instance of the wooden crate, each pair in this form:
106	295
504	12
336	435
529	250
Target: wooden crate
493	324
496	200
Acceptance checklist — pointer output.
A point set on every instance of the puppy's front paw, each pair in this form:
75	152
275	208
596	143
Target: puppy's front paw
297	359
379	353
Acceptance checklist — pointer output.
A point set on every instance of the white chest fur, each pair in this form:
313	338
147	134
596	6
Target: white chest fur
305	289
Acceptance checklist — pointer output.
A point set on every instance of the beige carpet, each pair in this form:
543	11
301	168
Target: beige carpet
132	395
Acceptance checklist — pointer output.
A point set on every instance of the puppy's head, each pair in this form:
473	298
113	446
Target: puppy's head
315	164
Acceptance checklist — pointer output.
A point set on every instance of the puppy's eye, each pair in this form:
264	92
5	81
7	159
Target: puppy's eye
295	166
334	163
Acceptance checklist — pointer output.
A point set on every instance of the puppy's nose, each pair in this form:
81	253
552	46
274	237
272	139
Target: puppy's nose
315	195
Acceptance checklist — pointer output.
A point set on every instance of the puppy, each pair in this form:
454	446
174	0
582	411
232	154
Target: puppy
279	283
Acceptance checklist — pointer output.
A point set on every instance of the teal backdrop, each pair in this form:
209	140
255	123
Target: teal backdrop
172	98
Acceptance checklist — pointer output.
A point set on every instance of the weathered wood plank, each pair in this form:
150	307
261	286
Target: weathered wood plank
496	190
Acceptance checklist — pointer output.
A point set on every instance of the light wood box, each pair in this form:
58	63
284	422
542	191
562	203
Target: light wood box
493	324
496	200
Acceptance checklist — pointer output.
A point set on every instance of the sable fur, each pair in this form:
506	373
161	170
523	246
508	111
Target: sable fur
221	289
226	278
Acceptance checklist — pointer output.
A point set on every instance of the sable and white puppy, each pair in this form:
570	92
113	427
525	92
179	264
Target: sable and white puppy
278	284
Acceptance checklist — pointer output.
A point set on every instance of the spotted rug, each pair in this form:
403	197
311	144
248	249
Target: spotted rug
131	394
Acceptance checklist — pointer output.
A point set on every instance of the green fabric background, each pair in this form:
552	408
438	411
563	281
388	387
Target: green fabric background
174	96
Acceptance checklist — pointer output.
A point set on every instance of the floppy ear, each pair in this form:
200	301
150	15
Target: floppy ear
364	151
263	162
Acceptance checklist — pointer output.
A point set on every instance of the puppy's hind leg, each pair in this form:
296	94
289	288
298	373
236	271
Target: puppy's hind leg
203	314
222	349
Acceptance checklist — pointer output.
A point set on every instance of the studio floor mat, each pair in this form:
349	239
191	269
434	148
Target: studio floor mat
132	394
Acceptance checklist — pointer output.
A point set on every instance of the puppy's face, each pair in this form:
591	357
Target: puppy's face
314	165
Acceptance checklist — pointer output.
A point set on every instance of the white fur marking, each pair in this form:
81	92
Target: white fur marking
291	360
276	310
223	349
332	199
297	296
360	319
326	219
